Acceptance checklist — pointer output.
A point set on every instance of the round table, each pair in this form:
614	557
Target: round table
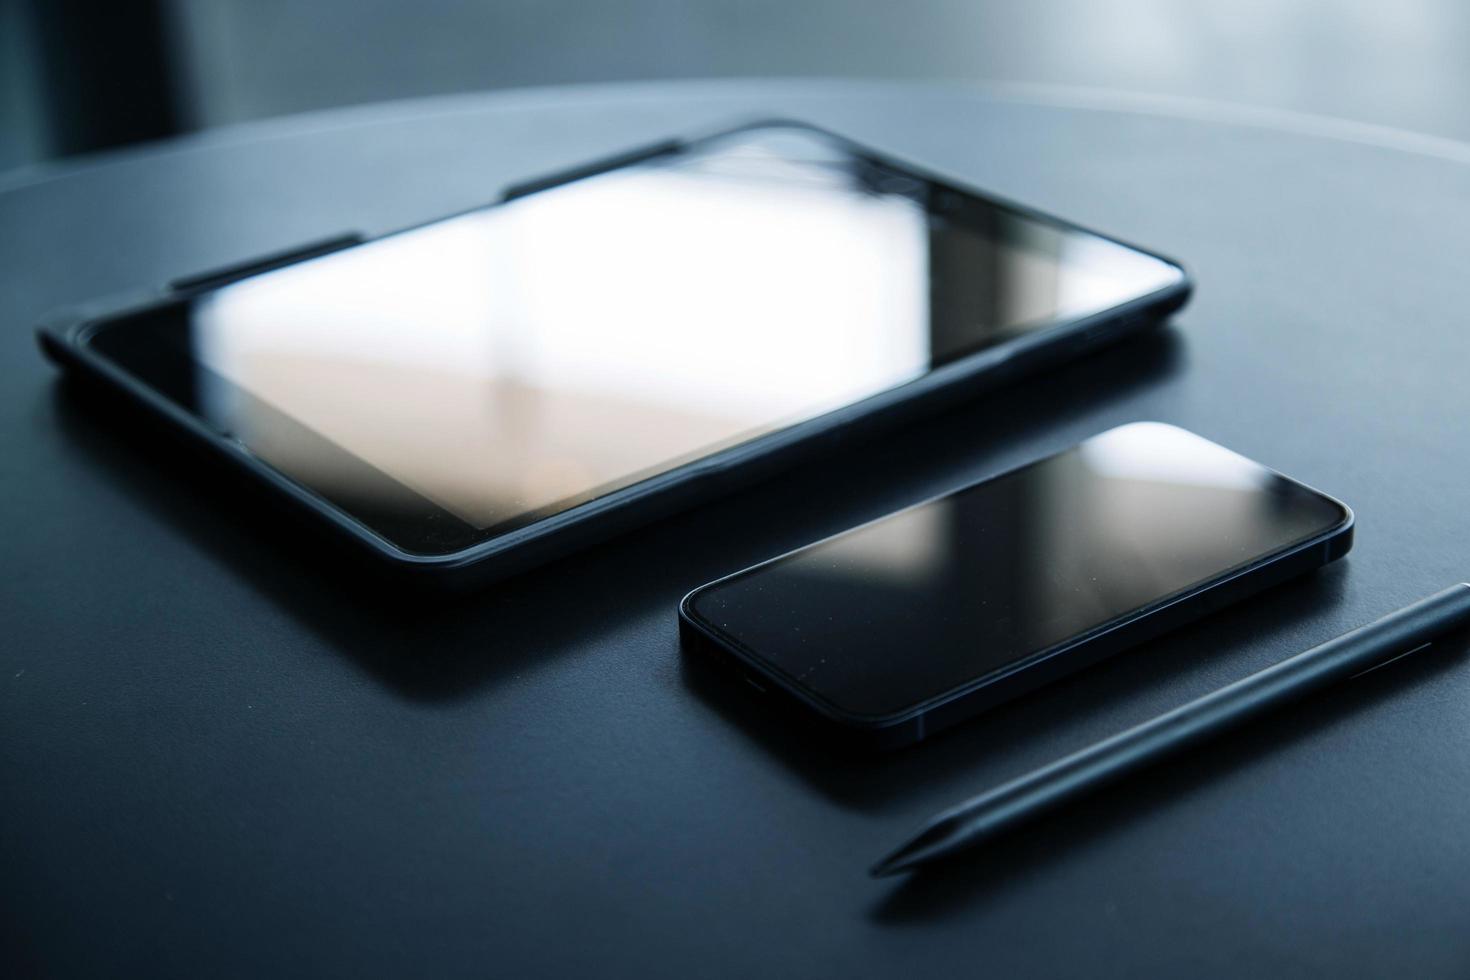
219	760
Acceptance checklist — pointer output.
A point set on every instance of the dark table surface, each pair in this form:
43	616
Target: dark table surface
215	759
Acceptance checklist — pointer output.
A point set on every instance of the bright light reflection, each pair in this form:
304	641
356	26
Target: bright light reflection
506	359
577	339
1154	452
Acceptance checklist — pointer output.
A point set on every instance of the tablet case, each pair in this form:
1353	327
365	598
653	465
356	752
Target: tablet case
63	336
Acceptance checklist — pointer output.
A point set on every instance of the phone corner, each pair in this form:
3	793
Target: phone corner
688	629
1340	539
685	607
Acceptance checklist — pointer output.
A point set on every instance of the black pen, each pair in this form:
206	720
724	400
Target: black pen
1396	635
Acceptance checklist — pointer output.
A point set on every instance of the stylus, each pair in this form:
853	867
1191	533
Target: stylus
1398	634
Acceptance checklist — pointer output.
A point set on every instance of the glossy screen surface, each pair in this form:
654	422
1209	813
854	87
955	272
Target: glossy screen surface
508	363
901	611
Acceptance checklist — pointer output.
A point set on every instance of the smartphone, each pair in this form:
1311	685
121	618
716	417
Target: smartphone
465	399
907	625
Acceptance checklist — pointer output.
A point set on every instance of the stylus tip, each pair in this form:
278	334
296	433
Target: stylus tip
936	840
886	868
906	858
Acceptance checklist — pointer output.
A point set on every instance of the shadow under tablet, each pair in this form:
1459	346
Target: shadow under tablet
444	649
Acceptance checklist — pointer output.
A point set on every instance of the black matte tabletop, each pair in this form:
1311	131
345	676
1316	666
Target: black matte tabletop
218	757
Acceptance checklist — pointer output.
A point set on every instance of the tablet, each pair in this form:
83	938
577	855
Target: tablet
472	396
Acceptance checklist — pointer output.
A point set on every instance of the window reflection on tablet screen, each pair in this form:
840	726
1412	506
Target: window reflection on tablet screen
575	340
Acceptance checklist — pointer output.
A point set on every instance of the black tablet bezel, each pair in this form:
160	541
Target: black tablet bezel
416	533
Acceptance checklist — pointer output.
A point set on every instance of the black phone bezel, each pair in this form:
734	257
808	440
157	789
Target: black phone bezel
943	709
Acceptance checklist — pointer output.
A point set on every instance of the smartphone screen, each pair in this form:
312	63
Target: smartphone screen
900	612
491	369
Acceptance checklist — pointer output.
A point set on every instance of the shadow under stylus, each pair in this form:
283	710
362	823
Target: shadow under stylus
968	881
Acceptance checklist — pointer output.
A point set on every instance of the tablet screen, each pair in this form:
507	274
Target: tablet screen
511	362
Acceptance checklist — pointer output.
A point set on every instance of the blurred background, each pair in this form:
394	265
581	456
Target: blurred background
78	77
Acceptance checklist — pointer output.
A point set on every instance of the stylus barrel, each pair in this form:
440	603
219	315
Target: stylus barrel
1395	635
